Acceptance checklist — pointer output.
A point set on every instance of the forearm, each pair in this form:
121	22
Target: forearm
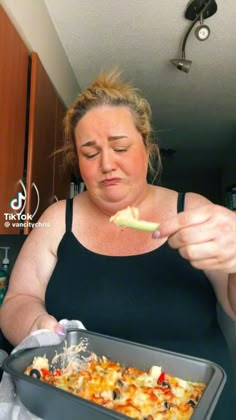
232	291
18	314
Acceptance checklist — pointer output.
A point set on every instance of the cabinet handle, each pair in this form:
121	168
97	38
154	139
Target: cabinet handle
38	198
55	198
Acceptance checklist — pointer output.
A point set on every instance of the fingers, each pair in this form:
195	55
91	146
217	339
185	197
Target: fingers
184	219
46	321
195	234
206	236
214	264
59	329
198	252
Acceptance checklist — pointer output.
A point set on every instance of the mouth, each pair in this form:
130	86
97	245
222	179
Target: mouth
110	181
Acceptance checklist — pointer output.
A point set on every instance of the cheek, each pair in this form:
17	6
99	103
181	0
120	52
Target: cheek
86	170
139	163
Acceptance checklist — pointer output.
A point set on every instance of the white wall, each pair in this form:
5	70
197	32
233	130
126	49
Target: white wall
33	23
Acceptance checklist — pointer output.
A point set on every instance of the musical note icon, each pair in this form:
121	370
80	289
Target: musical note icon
17	203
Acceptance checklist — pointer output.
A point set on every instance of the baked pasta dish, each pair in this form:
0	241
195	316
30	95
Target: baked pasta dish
139	394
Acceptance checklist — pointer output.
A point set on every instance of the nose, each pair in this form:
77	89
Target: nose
107	161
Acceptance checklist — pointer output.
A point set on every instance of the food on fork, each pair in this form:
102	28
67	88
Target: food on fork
129	217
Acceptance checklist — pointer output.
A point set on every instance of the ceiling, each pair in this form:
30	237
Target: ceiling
193	113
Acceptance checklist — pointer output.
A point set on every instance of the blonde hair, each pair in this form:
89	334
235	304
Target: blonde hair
109	89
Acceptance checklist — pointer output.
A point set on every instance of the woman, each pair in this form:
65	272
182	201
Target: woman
159	290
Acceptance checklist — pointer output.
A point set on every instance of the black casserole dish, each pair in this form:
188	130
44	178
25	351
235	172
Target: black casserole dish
51	403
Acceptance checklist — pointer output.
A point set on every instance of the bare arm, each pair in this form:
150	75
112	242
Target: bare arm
23	309
232	291
222	279
226	297
205	235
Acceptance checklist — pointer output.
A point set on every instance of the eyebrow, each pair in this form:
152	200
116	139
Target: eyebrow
110	138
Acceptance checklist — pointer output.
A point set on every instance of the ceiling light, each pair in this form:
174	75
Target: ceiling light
196	11
202	32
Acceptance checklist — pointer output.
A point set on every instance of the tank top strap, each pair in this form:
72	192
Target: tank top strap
180	202
69	214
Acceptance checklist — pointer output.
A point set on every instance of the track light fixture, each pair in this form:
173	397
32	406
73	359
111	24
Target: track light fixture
182	64
197	10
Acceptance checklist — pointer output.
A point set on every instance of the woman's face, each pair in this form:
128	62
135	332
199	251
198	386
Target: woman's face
113	159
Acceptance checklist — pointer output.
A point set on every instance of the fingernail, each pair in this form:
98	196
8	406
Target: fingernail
60	330
156	234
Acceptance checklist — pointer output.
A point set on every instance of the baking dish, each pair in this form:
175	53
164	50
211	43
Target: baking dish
51	403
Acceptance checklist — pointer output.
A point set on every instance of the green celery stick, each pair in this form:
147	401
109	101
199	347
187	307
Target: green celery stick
129	218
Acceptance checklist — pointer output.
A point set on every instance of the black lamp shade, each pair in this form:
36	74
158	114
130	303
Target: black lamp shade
182	64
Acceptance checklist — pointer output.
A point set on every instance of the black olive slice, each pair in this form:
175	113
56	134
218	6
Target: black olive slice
192	403
116	394
165	384
35	373
166	404
120	383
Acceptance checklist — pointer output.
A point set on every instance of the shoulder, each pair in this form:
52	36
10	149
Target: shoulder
53	217
191	200
50	227
162	193
53	211
167	199
162	201
194	200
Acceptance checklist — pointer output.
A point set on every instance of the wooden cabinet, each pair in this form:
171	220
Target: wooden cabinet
13	88
42	122
30	132
61	177
44	182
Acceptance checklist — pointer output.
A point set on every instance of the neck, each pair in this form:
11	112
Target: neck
110	208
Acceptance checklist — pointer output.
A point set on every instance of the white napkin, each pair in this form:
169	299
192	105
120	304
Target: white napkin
11	408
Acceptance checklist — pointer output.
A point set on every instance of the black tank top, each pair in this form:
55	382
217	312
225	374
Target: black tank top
156	298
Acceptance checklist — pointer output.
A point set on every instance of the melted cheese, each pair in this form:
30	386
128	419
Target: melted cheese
130	391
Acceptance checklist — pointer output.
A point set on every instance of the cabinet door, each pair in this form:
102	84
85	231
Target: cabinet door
61	179
13	87
42	122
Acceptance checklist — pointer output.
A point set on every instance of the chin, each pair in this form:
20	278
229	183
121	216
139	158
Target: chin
115	198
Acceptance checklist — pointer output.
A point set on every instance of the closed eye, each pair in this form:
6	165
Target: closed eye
120	149
92	155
